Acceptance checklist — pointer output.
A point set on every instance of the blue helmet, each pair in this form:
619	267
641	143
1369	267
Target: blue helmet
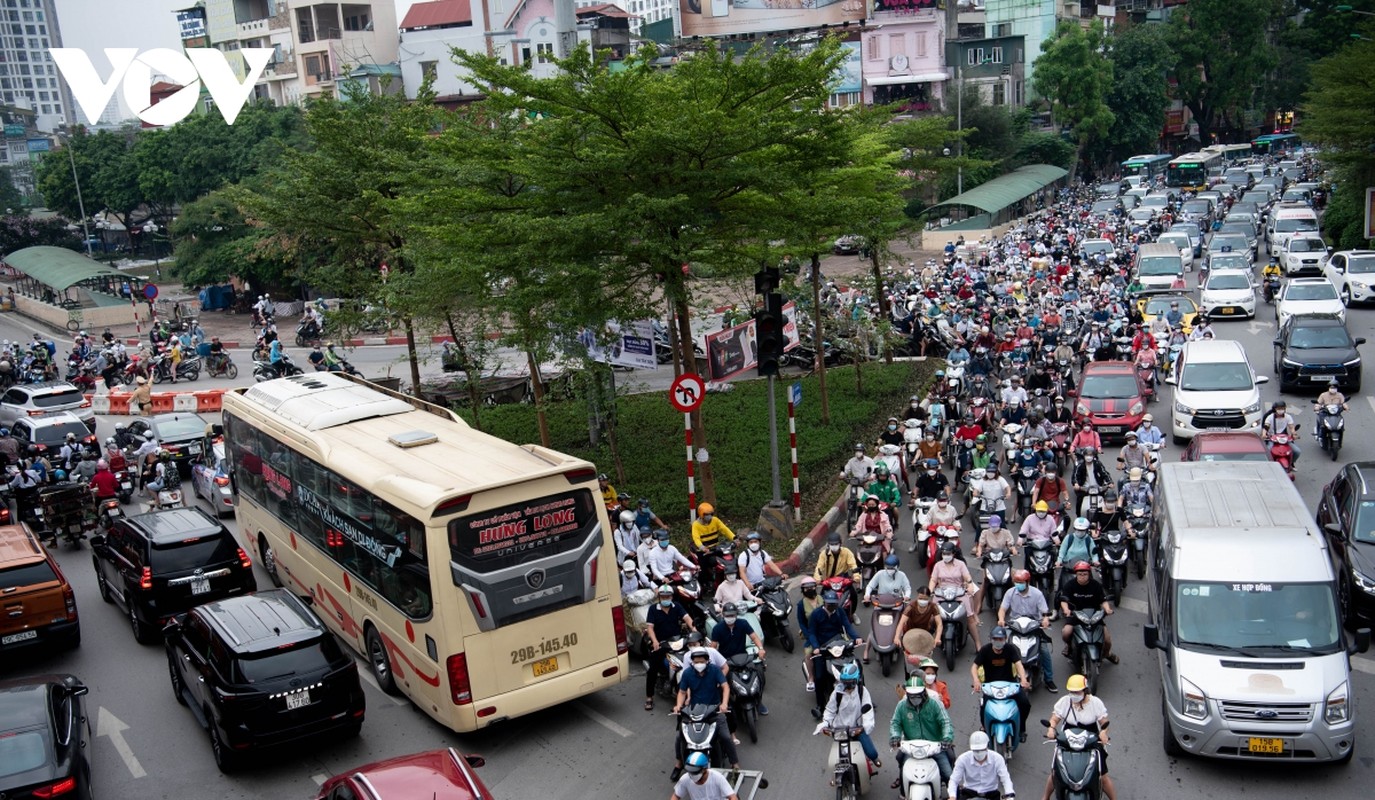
830	598
891	560
696	762
850	673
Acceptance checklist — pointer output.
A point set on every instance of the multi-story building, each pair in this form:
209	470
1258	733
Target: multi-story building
901	55
639	12
994	65
28	77
1032	20
429	33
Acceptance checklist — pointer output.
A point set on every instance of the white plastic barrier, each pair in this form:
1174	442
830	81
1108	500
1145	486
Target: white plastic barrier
100	404
184	402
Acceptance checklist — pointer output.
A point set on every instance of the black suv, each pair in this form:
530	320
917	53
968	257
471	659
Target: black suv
160	564
259	671
179	433
44	738
1312	350
1346	513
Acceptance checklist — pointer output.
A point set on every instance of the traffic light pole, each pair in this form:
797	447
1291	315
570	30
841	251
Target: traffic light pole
773	438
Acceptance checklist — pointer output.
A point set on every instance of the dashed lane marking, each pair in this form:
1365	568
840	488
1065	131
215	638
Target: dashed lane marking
603	720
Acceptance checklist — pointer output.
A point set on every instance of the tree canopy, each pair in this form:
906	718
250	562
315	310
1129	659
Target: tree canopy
1223	54
1075	76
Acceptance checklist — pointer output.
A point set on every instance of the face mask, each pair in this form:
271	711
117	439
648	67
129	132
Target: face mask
1021	587
730	577
664	544
915	702
809	593
835	548
980	756
930	679
1077	697
931	472
666	602
729	620
916	405
892	427
947	558
699	666
871	509
892	571
1078	534
942	503
923	603
754	548
706	517
1040	514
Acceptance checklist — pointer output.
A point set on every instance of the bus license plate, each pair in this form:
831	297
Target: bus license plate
1272	746
19	637
298	700
200	586
545	666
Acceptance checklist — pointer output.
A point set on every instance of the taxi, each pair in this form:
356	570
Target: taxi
1156	305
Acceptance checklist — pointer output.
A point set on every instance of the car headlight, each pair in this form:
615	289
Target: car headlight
1367	584
1195	701
1136	408
1254	408
1355	362
1336	708
1289	363
1081	409
1180	408
1359	286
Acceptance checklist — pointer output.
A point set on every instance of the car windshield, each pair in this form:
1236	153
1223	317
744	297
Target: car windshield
179	428
55	435
1310	291
1160	305
1294	225
1229	377
1365	522
1257	618
1234	457
22	752
193	553
55	399
1306	245
1304	338
1226	261
1360	265
1228	280
1197	207
1155	201
307	658
1161	265
1179	240
1109	386
26	575
1094	248
1244	218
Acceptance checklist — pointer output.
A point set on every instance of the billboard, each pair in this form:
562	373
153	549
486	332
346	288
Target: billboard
632	346
734	350
848	74
191	22
39	145
736	17
904	5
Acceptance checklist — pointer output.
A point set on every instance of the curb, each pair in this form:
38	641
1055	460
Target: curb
833	517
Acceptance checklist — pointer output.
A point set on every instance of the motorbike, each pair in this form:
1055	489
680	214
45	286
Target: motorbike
1114	548
844	588
950	603
1139	529
1012	441
869	555
697	733
1086	644
675	656
1026	476
342	365
108	512
835	656
125	477
169	497
921	516
850	779
1041	554
775	612
263	370
1146	372
997	566
1331	429
883	624
188	369
1270	288
891	455
723	553
1000	717
852	501
911	444
1076	772
746	690
921	777
688	592
1281	453
221	367
1028	637
307	332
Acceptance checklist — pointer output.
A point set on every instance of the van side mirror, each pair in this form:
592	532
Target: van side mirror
1334	529
1151	635
1361	643
80	690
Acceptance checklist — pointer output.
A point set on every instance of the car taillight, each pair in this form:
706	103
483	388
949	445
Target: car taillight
85	404
70	600
459	688
55	789
222	481
35	412
618	624
244	560
145	580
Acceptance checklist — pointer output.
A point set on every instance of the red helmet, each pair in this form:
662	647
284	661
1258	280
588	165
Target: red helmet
1021	576
1082	566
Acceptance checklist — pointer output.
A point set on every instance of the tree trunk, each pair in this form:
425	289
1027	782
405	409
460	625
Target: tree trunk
471	370
882	302
412	356
673	339
537	388
818	339
1074	165
706	489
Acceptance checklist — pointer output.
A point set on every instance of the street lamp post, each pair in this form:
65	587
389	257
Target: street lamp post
150	229
81	204
1344	9
959	120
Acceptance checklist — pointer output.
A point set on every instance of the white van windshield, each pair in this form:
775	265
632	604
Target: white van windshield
1257	619
1294	225
1161	265
1229	377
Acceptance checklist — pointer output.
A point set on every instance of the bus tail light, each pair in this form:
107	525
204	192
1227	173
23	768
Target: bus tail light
477	604
580	475
452	506
618	623
145	580
592	578
459	688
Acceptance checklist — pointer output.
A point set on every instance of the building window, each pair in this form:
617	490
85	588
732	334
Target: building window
1019	55
525	55
871	46
1002	29
429	70
897	44
974	56
209	104
997	55
357	22
845	99
921	45
999	94
317	68
546	52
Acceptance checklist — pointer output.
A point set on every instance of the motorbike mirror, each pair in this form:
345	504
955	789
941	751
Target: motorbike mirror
1360	340
1151	635
1045	723
1105	723
97	541
1361	642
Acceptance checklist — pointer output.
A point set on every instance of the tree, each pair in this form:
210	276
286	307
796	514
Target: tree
108	174
18	231
1222	52
1141	58
642	172
1075	76
9	195
215	242
1337	116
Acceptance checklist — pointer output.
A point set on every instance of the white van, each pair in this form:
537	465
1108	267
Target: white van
1287	220
1158	266
1215	389
1253	657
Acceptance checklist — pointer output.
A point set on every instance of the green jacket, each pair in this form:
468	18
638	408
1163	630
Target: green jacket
887	491
930	722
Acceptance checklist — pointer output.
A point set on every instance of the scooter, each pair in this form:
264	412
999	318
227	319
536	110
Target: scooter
108	512
1331	429
1075	774
1041	565
697	733
883	624
688	592
727	563
891	454
1138	524
852	501
169	497
125	477
1028	637
950	603
849	779
1281	453
1270	287
835	656
1086	644
1012	441
921	518
869	556
1026	475
911	444
188	369
921	777
263	370
1001	718
1115	549
223	366
775	611
746	689
844	588
997	566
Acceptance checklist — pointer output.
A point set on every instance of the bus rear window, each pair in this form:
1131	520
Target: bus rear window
517	533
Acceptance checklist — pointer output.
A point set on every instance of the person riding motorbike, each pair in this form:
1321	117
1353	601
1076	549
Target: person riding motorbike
980	772
1081	593
1001	661
1135	490
835	560
993	491
931	482
1331	396
732	637
1133	455
707	531
851	707
995	537
891	433
700	782
1026	600
950	571
732	590
918	716
164	474
1148	433
704	684
825	624
1083	710
885	488
922	614
1050	490
627	535
1087	436
665	559
1090	472
1077	548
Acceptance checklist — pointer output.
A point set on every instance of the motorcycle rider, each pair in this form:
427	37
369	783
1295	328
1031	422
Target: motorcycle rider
627	536
920	717
979	772
931	675
316	358
1000	661
707	532
665	559
1078	547
104	484
1040	526
943	513
666	621
732	590
1148	433
1331	396
1133	455
995	537
1050	490
858	468
164	475
645	518
950	571
823	625
1080	594
731	637
835	560
755	562
1090	472
931	482
1135	490
704	684
1026	600
1086	437
146	453
276	358
806	604
993	490
852	707
701	782
915	410
891	433
920	615
608	491
1084	710
884	488
633	579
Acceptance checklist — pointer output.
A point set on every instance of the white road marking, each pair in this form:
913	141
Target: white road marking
603	720
108	724
319	778
365	672
1257	325
1132	604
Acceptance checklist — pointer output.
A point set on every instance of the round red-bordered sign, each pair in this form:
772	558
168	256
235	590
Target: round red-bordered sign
687	391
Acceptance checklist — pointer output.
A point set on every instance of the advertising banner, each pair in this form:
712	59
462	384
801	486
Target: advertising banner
736	17
633	347
848	75
734	350
904	5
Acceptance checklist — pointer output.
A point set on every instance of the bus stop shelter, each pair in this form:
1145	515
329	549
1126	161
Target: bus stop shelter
1004	198
59	285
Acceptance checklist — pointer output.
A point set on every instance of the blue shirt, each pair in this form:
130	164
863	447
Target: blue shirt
667	622
703	688
275	352
823	627
731	640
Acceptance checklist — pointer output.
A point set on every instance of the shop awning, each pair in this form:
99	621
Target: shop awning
58	267
924	77
1005	190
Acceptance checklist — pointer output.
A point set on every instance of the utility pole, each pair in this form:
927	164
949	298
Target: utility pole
768	330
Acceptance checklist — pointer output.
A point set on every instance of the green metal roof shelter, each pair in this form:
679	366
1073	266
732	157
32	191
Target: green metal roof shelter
1003	197
50	273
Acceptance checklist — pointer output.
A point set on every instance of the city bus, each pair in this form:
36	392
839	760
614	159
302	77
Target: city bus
475	576
1231	153
1148	167
1190	171
1275	143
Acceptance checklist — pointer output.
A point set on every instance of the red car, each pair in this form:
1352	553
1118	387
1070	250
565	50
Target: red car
1111	397
436	773
1226	446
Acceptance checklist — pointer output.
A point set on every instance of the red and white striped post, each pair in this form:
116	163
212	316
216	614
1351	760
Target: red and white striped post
792	447
692	481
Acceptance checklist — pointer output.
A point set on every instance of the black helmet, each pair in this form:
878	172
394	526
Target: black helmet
833	539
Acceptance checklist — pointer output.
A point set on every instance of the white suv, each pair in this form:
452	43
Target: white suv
1303	254
1353	273
1301	297
39	399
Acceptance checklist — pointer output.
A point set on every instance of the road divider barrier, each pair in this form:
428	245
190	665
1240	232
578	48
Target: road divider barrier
100	403
184	402
119	403
162	404
209	401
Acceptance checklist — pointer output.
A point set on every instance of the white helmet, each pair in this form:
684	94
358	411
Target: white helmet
627	517
629	565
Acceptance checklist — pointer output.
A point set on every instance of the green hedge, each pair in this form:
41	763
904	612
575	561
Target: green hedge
651	438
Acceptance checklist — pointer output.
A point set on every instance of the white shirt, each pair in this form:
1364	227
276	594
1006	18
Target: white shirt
1092	710
663	559
754	564
843	710
627	540
881	583
716	787
985	776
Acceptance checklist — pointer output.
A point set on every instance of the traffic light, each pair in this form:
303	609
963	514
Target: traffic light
768	331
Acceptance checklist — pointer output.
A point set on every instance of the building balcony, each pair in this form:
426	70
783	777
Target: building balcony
253	28
286	68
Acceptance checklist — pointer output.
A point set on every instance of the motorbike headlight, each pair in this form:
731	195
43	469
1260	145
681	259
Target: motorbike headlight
1336	707
1366	584
1254	408
1180	408
1195	701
